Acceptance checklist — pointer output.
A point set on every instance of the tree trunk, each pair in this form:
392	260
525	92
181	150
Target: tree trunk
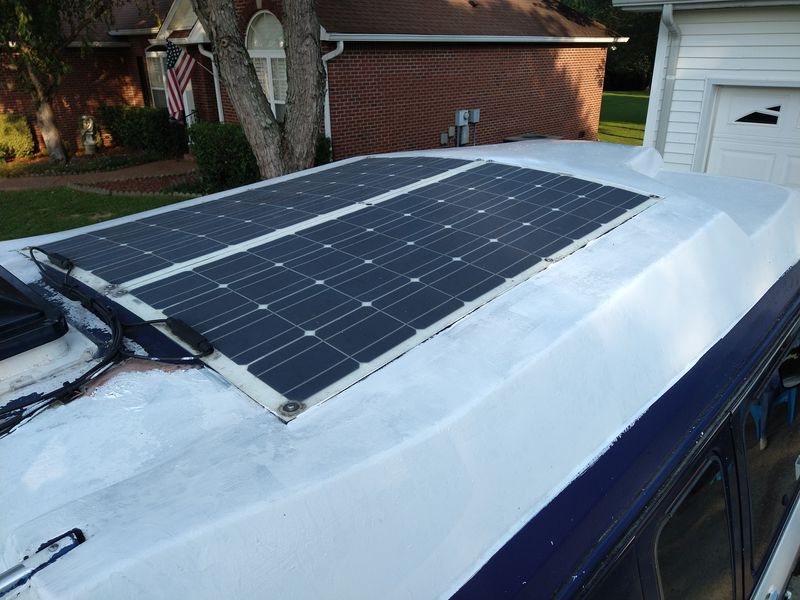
263	133
306	75
44	88
50	132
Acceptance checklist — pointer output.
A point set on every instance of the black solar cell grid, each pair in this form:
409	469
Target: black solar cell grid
306	310
125	252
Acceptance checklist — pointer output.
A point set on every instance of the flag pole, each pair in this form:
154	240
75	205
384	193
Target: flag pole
199	64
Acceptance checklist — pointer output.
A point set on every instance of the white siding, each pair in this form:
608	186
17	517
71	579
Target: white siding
750	45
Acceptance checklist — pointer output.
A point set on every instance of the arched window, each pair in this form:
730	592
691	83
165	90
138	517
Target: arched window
264	42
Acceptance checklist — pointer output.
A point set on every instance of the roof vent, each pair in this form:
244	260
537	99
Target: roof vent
26	319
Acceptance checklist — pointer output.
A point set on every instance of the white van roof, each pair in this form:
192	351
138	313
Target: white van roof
407	482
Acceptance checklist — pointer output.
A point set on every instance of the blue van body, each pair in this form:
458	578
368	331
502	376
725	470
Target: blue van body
597	516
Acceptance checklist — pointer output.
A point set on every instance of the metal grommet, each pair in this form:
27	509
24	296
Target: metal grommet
292	407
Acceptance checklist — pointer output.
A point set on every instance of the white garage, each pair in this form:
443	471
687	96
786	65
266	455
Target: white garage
756	134
725	96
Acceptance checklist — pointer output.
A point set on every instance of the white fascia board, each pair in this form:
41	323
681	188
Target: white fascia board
519	39
141	31
99	45
164	30
652	5
198	34
177	41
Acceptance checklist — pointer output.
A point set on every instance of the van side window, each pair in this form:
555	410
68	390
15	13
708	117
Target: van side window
772	446
621	581
693	551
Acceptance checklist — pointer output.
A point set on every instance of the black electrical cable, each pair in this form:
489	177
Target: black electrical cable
14	413
183	331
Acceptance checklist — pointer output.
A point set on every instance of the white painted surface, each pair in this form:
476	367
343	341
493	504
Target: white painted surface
762	151
753	47
404	484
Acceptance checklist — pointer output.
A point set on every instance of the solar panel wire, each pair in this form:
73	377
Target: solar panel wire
22	410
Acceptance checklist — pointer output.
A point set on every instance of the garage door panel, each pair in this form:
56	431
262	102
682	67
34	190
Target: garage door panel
791	172
756	134
742	160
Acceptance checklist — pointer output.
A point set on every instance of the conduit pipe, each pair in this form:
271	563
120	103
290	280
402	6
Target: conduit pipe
673	46
215	73
327	103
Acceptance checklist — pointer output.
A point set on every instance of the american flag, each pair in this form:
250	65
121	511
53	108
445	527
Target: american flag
179	70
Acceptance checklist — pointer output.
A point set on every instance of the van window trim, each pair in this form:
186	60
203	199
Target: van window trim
770	361
712	456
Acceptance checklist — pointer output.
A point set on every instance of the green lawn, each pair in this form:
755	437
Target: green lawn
622	117
45	211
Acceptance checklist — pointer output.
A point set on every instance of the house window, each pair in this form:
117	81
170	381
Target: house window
265	44
765	116
155	74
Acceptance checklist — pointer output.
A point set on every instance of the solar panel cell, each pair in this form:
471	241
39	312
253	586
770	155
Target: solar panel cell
367	282
212	309
465	282
417	304
275	333
286	369
319	306
251	336
182	287
272	284
366	333
413	262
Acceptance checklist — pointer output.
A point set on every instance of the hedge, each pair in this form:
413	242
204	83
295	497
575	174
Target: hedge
141	128
225	159
223	155
16	137
324	153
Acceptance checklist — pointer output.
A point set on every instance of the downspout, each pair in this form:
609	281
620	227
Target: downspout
215	73
327	104
669	81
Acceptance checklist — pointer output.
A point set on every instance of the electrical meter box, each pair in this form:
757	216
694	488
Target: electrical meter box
462	117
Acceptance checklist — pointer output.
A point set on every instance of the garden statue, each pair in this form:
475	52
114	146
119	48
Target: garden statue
87	134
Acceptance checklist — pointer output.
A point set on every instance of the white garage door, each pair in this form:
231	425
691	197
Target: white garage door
756	134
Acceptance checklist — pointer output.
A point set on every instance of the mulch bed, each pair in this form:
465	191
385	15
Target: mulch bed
143	185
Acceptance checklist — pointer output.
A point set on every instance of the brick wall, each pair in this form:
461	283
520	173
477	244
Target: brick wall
391	97
102	76
205	99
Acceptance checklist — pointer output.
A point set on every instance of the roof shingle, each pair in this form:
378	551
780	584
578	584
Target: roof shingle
547	18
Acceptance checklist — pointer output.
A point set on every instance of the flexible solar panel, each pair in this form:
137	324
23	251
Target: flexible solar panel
124	252
310	284
311	312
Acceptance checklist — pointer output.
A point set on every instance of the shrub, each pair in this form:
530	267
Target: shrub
141	128
16	138
324	153
223	155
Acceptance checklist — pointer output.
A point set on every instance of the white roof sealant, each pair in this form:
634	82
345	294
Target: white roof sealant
404	484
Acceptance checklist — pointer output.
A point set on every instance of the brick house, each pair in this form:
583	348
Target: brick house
397	72
110	72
